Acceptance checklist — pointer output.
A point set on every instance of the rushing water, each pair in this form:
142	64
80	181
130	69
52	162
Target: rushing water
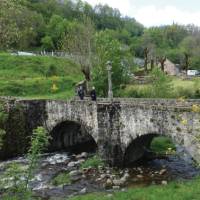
152	172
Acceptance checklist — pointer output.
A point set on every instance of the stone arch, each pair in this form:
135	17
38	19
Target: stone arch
72	136
137	147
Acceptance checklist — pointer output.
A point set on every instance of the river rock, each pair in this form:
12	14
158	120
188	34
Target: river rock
164	182
118	182
82	155
140	176
116	187
75	173
126	175
83	176
109	195
103	176
163	171
80	161
83	191
98	180
71	164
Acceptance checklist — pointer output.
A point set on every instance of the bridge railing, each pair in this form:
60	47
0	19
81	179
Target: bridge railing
146	101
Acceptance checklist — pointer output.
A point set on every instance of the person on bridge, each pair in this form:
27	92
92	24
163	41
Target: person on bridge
93	94
81	92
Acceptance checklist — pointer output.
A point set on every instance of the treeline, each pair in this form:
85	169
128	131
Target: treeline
94	36
29	24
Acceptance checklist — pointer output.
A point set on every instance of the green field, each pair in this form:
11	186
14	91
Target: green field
38	77
180	88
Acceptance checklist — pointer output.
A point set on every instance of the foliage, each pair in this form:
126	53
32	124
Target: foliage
79	42
161	86
33	77
109	49
47	43
162	145
94	162
39	141
17	178
3	119
61	179
52	71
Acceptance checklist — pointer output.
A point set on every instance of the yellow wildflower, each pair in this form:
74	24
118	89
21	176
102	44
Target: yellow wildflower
54	88
184	121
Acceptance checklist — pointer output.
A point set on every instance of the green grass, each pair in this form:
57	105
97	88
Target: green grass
180	88
174	191
29	77
162	145
94	162
61	179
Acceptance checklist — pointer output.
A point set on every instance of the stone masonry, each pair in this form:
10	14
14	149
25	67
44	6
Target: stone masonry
122	129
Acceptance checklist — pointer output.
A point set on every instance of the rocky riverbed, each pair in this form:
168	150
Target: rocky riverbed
63	175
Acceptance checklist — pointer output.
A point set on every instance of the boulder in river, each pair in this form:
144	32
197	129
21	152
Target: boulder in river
75	173
72	164
164	182
83	191
163	171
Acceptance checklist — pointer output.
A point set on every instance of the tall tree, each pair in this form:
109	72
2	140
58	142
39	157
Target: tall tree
109	49
79	43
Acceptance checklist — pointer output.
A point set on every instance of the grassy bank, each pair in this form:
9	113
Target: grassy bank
162	145
180	88
174	191
38	77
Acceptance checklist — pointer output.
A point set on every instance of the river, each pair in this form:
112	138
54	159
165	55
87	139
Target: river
158	171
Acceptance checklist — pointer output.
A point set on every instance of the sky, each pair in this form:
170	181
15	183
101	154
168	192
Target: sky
157	12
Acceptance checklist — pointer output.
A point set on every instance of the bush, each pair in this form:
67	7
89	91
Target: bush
52	71
61	179
161	87
94	162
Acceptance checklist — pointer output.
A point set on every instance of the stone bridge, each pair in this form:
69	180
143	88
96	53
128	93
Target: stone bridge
121	129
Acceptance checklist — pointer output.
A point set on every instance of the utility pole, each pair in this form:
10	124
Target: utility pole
109	69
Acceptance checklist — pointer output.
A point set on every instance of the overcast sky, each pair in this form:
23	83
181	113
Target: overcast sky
157	12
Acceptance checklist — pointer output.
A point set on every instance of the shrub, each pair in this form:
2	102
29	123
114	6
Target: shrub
94	162
161	87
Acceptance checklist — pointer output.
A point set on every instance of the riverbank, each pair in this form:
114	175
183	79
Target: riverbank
174	191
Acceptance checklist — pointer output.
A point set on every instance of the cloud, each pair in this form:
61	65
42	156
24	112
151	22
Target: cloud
152	16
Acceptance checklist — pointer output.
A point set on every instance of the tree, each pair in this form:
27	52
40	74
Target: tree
18	186
161	86
47	43
146	52
162	61
9	32
19	26
78	41
109	49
